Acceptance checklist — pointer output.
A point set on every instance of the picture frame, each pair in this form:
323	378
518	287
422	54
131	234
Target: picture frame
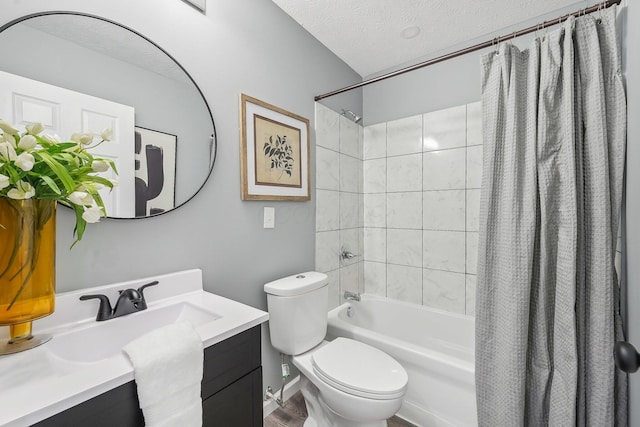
155	171
274	152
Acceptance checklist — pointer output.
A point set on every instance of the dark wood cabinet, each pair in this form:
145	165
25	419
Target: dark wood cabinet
231	391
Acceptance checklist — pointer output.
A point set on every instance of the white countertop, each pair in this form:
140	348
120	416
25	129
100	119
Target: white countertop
37	384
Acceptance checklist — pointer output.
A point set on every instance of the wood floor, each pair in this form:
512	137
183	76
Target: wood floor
295	412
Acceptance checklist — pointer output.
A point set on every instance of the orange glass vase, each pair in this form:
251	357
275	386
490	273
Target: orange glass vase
27	268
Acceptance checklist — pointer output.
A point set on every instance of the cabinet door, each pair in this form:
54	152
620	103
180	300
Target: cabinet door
239	404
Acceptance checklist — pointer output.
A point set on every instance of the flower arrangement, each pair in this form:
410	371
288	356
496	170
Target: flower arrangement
42	167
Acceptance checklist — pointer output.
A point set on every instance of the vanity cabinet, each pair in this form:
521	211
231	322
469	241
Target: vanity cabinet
231	391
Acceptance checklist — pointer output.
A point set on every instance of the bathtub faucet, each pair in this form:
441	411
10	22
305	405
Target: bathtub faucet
346	255
351	296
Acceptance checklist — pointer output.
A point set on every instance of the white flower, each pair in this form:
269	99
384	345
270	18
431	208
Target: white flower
23	190
4	181
81	198
100	166
7	128
9	139
7	151
106	134
52	138
34	128
97	186
82	138
25	161
92	214
27	142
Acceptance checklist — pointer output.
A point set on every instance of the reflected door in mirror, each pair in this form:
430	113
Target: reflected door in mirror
64	112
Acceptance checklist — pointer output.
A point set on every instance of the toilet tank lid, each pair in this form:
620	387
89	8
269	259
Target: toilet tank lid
297	284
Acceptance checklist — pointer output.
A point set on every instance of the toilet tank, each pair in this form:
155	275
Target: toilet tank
297	311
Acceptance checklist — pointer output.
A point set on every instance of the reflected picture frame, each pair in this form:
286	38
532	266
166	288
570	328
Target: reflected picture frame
274	152
155	171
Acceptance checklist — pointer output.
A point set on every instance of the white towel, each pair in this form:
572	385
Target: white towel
168	364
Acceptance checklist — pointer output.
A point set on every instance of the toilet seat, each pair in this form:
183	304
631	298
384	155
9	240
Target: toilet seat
359	369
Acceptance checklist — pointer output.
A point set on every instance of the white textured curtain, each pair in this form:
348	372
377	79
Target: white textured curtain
554	123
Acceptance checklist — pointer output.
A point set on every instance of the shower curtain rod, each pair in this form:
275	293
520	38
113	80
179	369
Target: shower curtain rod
488	43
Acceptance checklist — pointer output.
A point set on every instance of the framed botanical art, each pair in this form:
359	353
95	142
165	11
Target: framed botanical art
274	152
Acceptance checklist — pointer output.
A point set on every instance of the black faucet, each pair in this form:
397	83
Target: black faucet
129	301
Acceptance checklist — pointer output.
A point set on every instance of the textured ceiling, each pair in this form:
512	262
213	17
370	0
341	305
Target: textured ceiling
111	40
366	34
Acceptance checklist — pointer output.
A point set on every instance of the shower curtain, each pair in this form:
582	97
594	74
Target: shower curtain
554	127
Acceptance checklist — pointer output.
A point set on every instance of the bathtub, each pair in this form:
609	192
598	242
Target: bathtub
435	347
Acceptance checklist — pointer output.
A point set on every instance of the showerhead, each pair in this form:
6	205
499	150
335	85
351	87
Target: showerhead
350	114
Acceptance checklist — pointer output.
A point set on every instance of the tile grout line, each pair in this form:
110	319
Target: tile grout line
386	209
466	156
422	212
340	266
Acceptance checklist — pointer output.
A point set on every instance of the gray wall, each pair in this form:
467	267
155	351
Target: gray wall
240	46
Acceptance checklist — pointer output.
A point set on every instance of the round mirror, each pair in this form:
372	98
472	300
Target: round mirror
80	73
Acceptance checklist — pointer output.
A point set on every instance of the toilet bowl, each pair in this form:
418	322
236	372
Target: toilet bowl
345	383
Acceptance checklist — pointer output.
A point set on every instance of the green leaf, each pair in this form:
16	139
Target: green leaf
13	175
51	183
112	164
58	169
57	148
81	224
98	179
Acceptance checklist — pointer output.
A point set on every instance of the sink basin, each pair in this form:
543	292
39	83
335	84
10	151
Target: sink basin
102	340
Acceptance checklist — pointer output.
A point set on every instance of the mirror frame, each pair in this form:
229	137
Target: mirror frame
204	99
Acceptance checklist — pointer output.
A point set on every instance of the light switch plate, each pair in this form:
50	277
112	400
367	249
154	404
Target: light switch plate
269	217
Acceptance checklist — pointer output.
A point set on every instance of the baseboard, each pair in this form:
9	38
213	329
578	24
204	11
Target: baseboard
289	390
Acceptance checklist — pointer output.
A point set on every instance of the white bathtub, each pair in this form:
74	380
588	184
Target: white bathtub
435	347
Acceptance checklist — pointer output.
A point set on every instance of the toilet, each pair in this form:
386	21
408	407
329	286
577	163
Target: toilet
345	383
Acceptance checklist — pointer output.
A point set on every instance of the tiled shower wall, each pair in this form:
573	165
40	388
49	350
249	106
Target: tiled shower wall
339	202
403	195
421	204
